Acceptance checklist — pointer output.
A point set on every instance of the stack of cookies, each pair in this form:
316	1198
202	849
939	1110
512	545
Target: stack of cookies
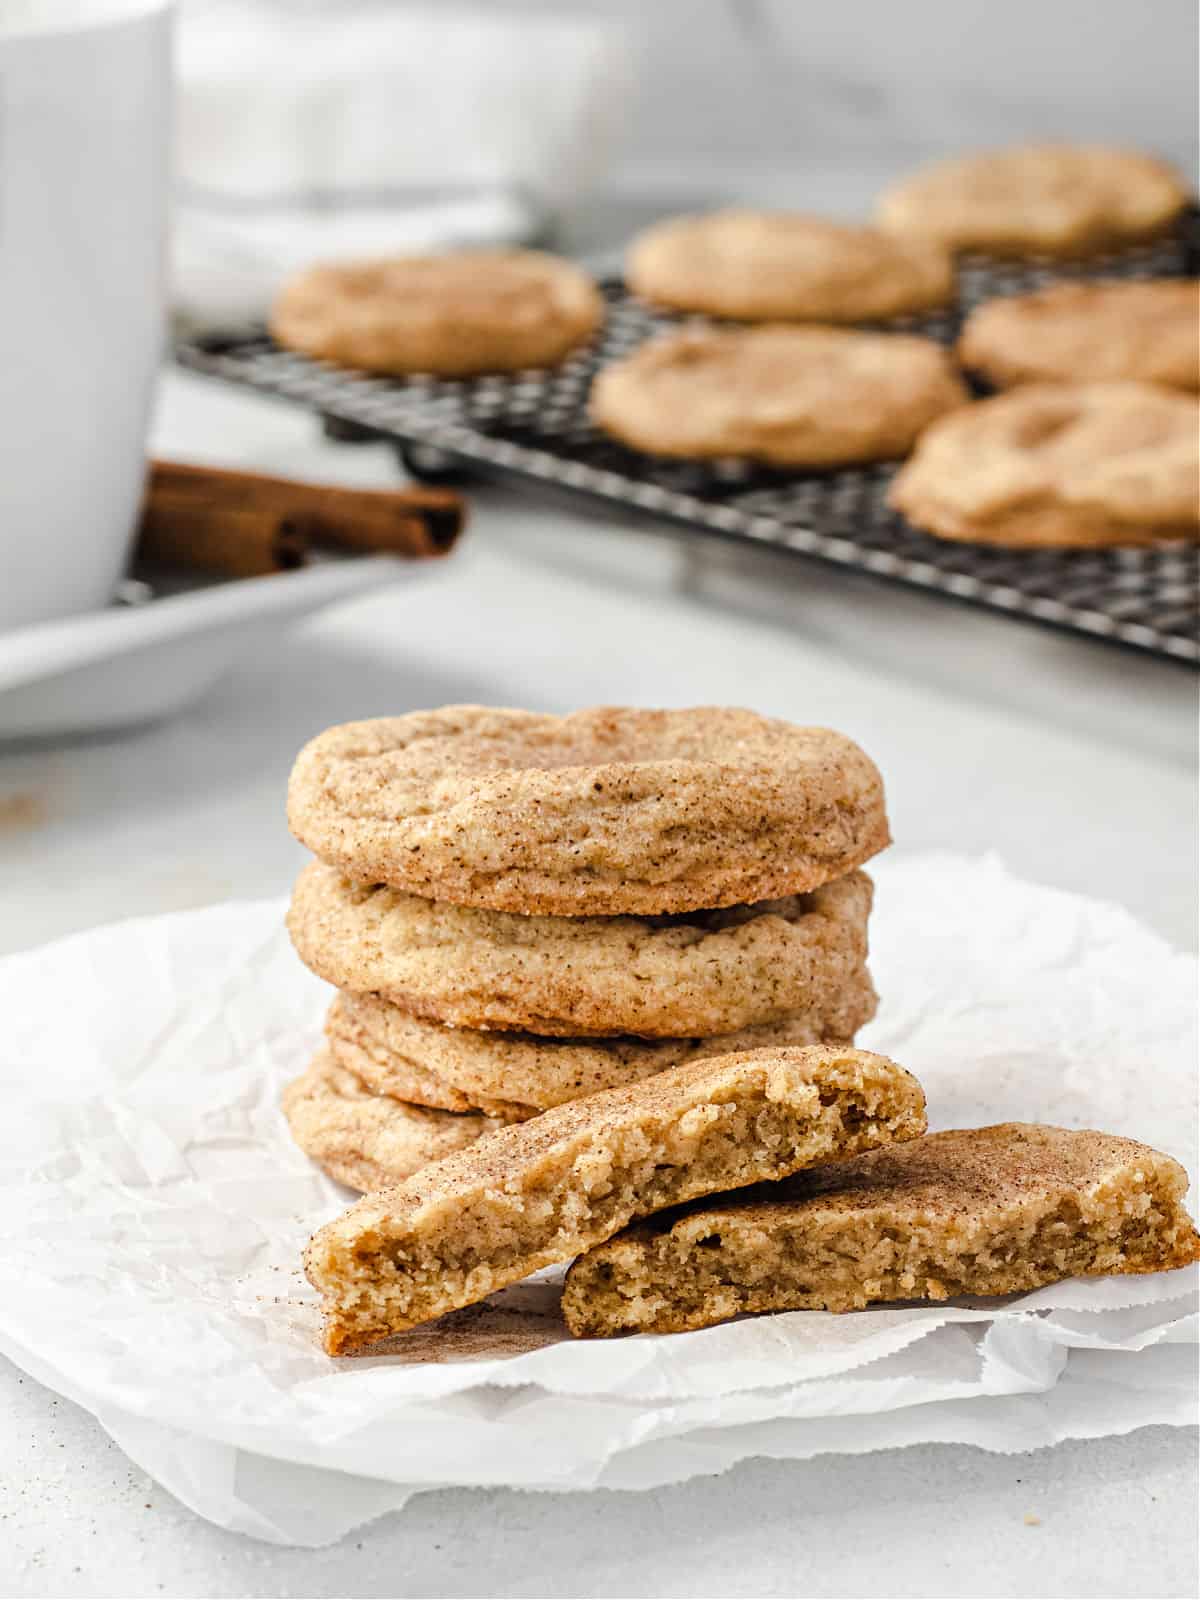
598	978
521	910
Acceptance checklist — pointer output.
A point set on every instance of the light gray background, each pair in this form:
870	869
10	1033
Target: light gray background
740	90
777	80
743	85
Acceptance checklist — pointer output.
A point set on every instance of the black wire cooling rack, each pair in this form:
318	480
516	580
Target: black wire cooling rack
534	428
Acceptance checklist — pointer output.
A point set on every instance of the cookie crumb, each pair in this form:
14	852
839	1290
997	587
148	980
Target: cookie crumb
22	810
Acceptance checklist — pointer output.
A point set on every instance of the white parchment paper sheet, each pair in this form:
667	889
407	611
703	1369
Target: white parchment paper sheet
153	1210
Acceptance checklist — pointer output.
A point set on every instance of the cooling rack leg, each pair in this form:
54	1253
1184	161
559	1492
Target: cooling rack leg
427	465
342	431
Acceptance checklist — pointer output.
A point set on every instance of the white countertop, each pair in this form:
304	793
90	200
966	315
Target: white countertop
1075	763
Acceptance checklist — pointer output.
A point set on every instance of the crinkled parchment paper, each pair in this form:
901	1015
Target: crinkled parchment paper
153	1211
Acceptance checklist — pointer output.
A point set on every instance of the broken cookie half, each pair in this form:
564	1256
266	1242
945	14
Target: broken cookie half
975	1211
540	1192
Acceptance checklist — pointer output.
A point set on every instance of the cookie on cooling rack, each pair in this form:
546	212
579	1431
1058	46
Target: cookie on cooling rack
790	397
763	266
1089	332
452	315
602	812
1060	464
1038	199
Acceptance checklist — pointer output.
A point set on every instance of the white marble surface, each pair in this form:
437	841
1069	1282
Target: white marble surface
733	85
751	82
1075	763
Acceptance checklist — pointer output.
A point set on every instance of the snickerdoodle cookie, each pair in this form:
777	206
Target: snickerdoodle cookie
516	1075
686	975
1041	199
602	812
1060	464
1089	332
763	266
472	312
977	1211
786	396
538	1192
366	1140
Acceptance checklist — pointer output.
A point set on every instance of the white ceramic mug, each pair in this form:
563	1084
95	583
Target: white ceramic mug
85	132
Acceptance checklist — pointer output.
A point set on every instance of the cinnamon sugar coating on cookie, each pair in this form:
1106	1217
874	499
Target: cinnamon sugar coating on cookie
1060	464
976	1211
538	1192
786	396
366	1140
456	315
603	812
515	1076
690	973
779	266
1089	332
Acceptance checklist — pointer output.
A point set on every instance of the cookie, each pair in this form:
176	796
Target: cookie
764	266
978	1211
1059	464
515	1076
1043	199
454	315
365	1140
1089	332
688	975
539	1192
599	813
789	397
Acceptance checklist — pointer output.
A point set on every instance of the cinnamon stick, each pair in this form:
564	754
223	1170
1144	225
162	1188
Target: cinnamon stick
235	544
244	524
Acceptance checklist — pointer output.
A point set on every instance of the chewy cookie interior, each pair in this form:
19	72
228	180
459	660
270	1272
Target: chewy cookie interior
974	1211
540	1192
